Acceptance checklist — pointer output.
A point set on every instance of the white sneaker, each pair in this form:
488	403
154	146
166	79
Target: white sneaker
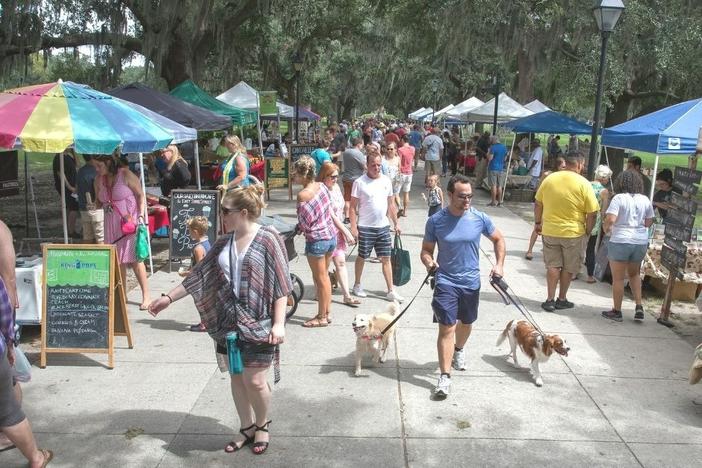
358	291
443	386
459	360
394	296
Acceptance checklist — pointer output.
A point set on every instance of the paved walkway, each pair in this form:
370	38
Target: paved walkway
620	399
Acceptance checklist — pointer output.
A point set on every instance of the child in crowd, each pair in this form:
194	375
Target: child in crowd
197	227
434	195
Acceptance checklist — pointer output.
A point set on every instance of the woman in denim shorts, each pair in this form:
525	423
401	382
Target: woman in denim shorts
628	218
314	215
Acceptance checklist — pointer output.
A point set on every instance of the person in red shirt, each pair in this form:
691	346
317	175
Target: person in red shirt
391	137
406	152
400	132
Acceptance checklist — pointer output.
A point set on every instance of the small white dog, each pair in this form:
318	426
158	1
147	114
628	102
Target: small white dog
536	346
369	339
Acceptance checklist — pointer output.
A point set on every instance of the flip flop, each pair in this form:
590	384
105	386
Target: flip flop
591	281
9	447
351	302
48	456
529	257
316	322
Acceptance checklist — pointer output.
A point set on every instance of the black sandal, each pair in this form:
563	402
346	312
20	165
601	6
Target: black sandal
247	441
263	445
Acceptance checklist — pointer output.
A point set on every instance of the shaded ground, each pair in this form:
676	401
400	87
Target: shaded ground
685	315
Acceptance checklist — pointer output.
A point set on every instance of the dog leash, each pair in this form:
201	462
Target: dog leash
499	284
426	279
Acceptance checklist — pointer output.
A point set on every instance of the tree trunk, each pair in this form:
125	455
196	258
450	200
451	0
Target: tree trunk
615	115
525	80
177	61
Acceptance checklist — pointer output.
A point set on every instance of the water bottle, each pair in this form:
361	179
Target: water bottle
236	364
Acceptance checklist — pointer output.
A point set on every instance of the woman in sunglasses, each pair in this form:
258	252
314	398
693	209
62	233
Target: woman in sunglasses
247	267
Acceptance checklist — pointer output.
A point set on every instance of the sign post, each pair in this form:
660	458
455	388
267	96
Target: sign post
678	230
84	304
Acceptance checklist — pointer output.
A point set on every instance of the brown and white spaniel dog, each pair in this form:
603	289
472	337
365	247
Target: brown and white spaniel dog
535	345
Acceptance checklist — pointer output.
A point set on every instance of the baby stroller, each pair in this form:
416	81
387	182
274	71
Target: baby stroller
288	233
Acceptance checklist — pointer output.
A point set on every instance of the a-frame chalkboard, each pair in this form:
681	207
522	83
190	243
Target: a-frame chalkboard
84	304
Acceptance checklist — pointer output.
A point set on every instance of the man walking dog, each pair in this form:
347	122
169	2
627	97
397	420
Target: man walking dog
456	230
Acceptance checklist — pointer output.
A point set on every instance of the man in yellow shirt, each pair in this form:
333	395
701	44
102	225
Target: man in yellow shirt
565	210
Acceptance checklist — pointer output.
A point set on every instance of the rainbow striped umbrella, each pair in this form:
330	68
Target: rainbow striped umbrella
48	118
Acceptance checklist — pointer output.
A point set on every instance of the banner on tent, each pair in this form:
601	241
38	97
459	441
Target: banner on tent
267	102
9	174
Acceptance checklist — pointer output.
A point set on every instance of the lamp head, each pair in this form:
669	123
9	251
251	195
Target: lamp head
607	13
298	60
435	85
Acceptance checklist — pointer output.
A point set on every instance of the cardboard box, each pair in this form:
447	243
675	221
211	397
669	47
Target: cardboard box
682	291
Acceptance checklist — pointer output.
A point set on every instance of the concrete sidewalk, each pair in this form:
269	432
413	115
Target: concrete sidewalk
620	399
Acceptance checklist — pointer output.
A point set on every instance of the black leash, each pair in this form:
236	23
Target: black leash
500	285
426	279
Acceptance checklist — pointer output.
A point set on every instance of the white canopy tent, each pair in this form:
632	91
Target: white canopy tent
537	106
425	113
244	96
459	111
414	114
507	109
443	111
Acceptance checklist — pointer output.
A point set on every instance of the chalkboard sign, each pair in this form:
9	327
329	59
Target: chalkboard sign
186	204
296	151
278	175
676	232
82	291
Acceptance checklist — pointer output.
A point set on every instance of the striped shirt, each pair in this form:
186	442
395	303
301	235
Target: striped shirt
7	319
315	216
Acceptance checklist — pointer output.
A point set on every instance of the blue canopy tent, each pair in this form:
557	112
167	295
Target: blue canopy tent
544	122
548	122
673	130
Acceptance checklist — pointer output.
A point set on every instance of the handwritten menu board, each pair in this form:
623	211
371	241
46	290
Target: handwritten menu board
186	204
82	292
296	151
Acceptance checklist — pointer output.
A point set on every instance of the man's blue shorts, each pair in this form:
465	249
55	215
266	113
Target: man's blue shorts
451	303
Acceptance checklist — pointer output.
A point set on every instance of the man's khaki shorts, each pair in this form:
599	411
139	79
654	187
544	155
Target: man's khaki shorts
563	252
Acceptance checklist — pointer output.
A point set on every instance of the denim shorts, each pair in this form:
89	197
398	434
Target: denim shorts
630	253
320	248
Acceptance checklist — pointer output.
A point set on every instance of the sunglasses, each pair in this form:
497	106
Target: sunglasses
334	176
465	196
227	211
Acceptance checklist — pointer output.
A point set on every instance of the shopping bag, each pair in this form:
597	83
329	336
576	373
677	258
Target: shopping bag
22	371
401	264
602	271
142	243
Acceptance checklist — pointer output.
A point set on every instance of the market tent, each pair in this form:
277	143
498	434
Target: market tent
190	92
537	106
171	107
421	115
443	111
548	122
507	109
460	110
245	96
180	132
673	130
412	115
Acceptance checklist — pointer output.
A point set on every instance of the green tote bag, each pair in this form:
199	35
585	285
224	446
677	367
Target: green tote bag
401	264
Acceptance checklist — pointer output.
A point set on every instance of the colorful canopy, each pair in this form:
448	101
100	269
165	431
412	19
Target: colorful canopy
50	117
673	130
180	133
548	122
170	106
190	92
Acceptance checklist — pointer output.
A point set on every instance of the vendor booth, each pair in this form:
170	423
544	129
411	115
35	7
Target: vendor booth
507	109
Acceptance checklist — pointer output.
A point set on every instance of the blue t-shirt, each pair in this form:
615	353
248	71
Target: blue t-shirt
320	156
499	151
458	241
415	139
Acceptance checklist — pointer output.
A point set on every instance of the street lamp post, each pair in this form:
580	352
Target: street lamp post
607	13
298	61
496	91
434	89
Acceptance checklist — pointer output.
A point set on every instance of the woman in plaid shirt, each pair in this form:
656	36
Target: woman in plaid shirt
13	423
314	215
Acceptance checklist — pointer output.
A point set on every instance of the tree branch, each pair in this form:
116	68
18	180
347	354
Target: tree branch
129	43
649	94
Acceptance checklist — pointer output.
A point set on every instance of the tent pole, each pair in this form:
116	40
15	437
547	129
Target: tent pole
146	208
197	165
241	132
26	195
504	187
258	123
655	171
63	198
